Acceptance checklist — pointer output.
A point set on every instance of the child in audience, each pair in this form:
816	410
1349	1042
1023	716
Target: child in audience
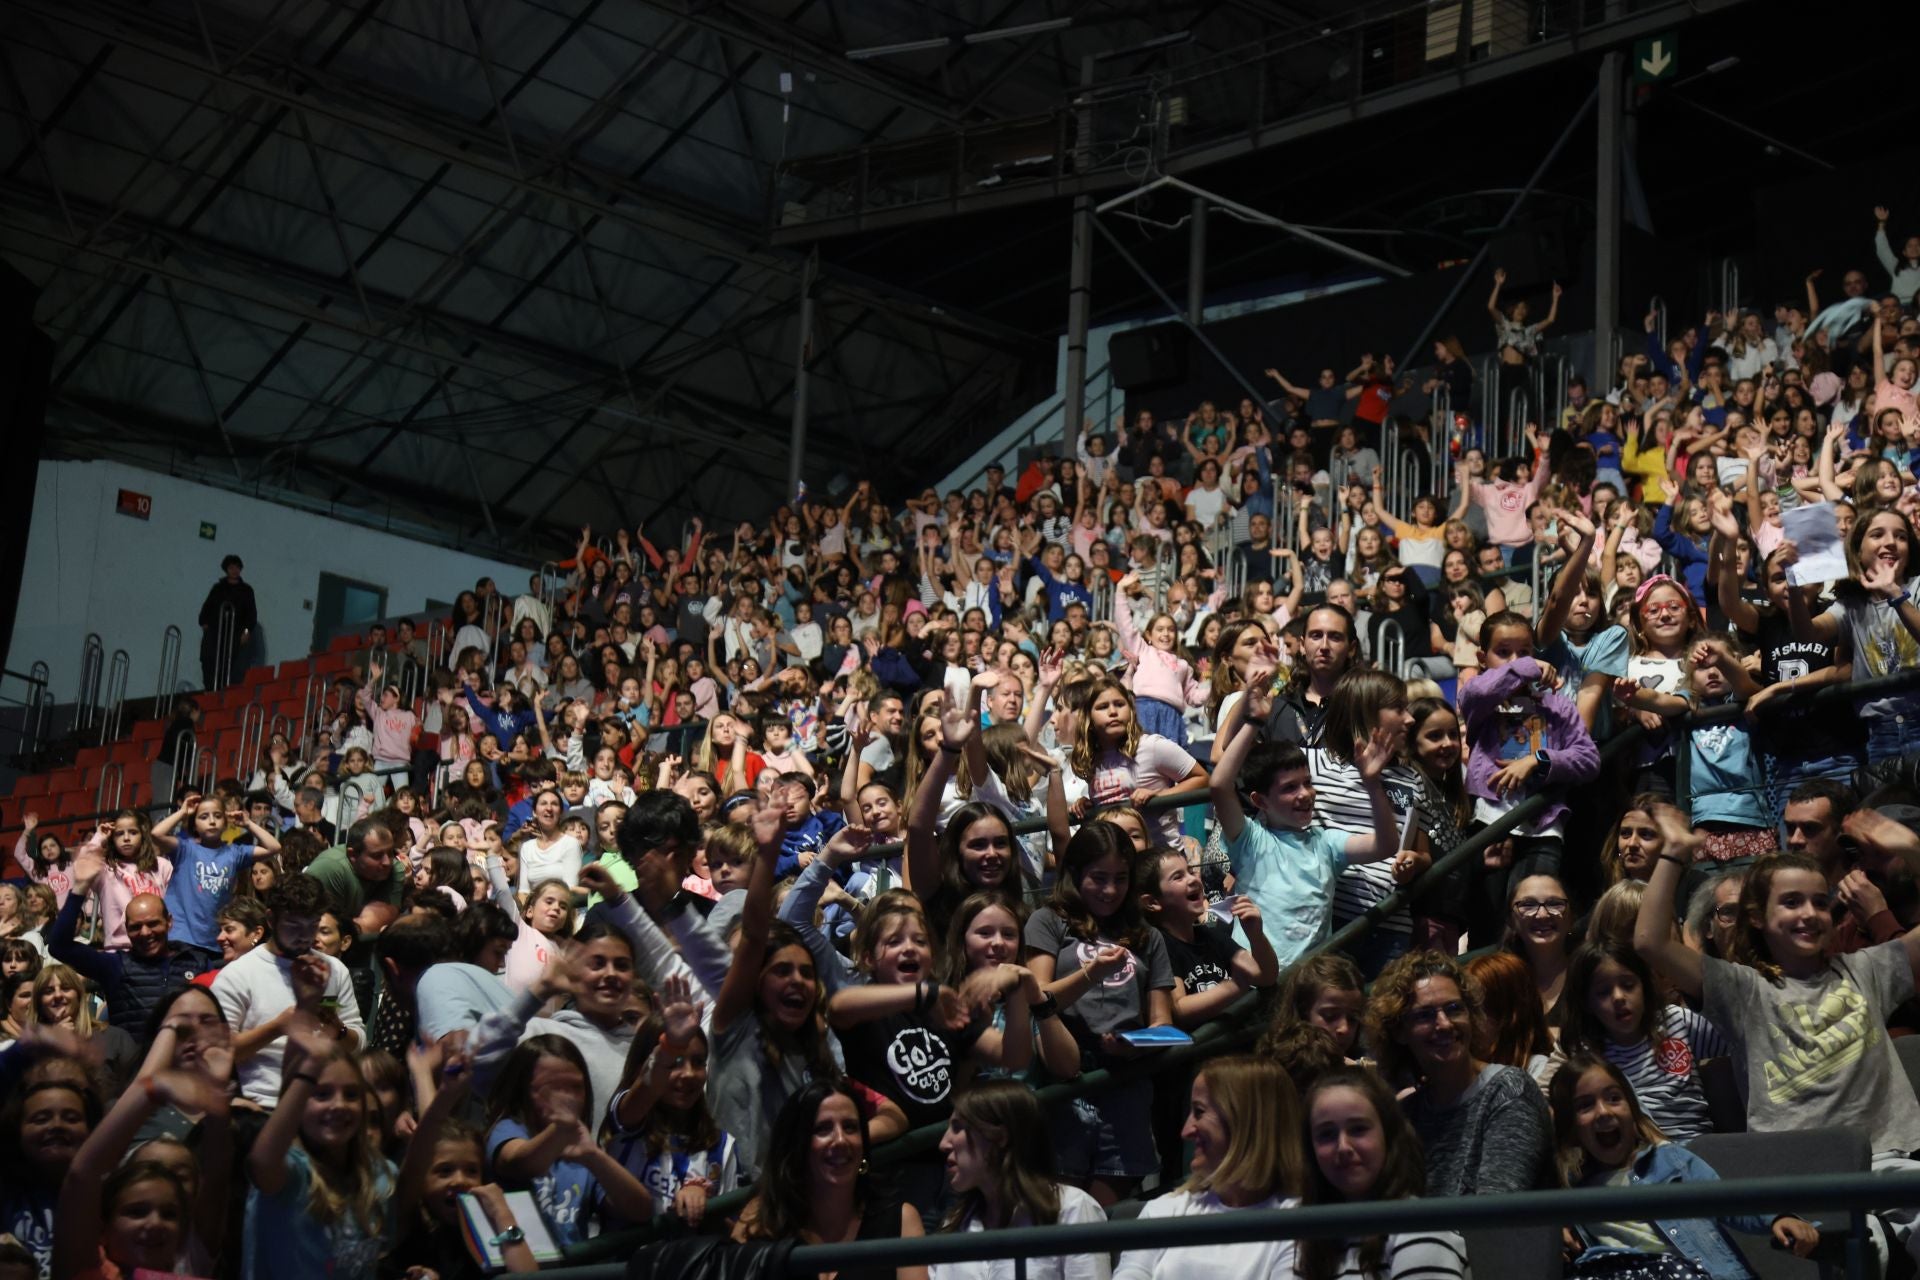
1617	1012
1210	970
538	1139
1000	1167
1361	1149
204	867
1283	861
1808	1028
1163	684
1124	764
1324	991
1606	1140
1107	970
662	1131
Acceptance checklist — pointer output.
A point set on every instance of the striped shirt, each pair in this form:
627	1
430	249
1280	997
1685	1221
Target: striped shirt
1421	1255
1341	804
1664	1070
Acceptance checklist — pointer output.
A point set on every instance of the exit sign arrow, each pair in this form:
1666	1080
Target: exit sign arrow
1655	58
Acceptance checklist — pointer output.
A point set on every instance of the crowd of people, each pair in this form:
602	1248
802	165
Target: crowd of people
718	866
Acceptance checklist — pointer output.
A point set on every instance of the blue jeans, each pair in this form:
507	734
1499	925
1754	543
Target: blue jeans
1892	737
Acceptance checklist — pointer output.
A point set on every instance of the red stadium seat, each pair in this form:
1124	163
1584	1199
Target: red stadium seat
62	780
148	731
331	663
90	757
345	644
128	753
297	669
31	786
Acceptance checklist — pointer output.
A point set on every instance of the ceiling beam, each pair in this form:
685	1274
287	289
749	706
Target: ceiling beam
421	127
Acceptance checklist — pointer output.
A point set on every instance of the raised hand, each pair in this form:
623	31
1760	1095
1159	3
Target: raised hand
679	1011
849	844
595	878
1881	213
1053	664
1106	961
1372	755
1676	832
957	724
1499	275
89	863
769	824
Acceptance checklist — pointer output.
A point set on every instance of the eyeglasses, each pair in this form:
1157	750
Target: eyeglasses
1429	1015
1671	609
1726	913
1532	907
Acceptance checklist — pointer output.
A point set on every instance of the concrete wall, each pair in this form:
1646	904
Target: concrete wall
91	569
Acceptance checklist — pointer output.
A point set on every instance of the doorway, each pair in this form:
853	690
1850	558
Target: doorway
343	602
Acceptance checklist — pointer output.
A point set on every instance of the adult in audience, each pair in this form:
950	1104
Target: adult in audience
817	1187
362	874
271	987
1485	1127
227	621
1243	1121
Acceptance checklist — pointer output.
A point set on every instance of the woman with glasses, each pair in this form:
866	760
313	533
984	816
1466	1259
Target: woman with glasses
1485	1127
1539	931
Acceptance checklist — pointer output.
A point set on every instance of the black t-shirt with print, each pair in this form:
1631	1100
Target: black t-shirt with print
1205	962
910	1061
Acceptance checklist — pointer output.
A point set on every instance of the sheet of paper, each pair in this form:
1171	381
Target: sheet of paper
1815	531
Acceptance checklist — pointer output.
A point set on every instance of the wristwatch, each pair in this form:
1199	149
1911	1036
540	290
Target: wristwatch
1545	764
512	1235
1041	1010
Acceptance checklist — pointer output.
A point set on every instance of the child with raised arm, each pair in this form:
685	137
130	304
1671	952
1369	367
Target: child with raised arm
1285	862
1809	1028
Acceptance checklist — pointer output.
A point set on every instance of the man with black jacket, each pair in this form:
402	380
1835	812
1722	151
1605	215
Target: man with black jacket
134	980
1326	653
224	647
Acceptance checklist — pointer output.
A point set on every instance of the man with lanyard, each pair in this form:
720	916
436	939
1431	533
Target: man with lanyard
1326	654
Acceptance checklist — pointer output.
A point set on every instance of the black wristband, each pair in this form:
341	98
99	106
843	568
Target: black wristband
1676	859
952	751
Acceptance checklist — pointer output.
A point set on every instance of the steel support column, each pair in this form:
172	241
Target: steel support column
1197	260
802	354
1610	94
1080	274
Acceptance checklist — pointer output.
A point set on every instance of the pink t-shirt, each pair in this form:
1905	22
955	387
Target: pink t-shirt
1156	765
122	883
1506	506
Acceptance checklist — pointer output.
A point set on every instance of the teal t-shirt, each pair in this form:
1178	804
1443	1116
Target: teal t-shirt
1290	876
283	1239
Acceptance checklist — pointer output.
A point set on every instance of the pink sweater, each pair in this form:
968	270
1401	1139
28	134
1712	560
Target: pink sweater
392	730
1156	674
1506	506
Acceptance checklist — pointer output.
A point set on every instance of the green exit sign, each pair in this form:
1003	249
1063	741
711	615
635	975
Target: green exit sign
1656	58
208	531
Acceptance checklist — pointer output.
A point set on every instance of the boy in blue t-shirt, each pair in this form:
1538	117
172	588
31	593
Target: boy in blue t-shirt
204	867
1282	860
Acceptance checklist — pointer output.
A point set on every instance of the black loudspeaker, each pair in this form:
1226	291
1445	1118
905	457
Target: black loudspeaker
1141	359
23	403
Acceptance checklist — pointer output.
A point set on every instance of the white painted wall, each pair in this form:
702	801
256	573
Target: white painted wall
90	569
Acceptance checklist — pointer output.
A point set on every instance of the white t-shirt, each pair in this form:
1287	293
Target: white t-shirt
1256	1260
1076	1207
1157	764
258	987
558	861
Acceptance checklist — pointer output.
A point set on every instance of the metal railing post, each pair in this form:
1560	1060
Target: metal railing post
40	703
118	668
164	695
87	702
116	773
225	635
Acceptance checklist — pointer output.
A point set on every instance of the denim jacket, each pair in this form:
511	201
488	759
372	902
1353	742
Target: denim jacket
1703	1240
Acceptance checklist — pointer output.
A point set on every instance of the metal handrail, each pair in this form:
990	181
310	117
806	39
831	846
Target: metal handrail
116	773
39	678
118	668
87	700
226	635
169	685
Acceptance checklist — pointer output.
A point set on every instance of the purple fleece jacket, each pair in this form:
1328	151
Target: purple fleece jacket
1571	756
